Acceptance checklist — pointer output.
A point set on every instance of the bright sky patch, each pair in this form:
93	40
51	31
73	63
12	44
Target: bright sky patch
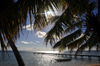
37	41
28	27
24	42
40	34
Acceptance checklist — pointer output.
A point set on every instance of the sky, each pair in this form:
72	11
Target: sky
33	40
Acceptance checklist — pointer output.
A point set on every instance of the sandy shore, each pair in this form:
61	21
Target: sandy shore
94	65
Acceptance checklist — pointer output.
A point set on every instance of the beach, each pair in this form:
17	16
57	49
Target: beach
94	65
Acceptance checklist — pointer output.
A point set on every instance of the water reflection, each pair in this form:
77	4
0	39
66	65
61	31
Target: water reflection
46	60
48	51
32	59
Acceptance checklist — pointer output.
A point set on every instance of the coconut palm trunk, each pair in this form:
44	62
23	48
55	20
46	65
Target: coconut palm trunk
16	53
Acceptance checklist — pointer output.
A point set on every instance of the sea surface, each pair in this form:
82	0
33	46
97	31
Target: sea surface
32	59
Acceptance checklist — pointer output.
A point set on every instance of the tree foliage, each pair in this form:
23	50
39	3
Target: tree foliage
80	26
14	15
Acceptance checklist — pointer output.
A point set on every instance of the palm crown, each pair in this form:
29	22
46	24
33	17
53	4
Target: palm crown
13	15
79	24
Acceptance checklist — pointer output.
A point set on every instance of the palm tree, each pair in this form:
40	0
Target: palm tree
9	28
13	16
72	22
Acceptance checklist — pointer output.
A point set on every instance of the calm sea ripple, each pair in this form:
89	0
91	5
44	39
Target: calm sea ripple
31	59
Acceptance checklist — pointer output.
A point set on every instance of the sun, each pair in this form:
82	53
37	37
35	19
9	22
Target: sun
50	13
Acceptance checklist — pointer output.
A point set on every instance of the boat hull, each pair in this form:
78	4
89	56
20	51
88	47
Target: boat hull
63	59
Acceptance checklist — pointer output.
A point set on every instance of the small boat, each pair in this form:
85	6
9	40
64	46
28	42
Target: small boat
68	59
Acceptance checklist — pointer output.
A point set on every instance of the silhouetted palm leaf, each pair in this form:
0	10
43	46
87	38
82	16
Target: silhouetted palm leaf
13	16
64	42
66	19
66	22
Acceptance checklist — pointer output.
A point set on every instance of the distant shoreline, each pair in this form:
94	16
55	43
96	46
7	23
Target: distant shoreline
51	50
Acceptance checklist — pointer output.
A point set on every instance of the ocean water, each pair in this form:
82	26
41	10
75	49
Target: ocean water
32	59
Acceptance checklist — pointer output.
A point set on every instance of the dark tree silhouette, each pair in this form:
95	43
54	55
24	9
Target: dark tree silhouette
79	24
13	16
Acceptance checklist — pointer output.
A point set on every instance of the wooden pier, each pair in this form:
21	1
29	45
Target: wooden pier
70	55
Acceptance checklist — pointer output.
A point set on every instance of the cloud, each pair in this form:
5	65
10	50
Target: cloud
31	42
24	42
40	34
28	27
37	41
25	48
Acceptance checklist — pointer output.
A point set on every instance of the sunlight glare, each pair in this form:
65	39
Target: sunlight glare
49	51
50	13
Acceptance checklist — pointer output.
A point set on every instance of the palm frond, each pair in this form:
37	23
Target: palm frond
66	23
59	27
74	26
75	43
3	46
69	38
89	43
65	20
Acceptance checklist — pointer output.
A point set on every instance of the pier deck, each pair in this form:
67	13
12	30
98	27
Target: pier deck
70	55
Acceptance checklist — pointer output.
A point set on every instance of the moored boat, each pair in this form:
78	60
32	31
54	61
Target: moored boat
68	59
